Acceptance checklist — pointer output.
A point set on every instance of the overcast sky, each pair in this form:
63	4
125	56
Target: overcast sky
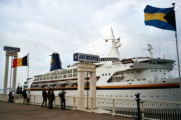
41	27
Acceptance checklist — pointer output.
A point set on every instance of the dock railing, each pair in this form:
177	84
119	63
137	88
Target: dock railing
158	110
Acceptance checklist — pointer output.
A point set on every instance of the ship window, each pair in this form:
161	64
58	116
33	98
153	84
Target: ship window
151	70
44	78
102	74
144	79
70	75
109	74
138	79
164	81
132	72
127	72
70	71
51	78
74	75
155	70
160	70
105	74
127	80
138	71
122	73
40	78
64	76
47	78
156	78
110	95
55	77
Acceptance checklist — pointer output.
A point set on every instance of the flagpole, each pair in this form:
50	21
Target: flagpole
28	67
177	48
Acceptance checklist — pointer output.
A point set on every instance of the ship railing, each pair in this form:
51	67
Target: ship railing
158	110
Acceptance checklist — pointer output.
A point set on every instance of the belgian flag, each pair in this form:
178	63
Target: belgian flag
20	62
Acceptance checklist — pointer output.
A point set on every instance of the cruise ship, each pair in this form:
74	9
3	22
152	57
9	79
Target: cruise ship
116	77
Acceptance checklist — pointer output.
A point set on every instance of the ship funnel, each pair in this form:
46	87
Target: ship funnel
55	62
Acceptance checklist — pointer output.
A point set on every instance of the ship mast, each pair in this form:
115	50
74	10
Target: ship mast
114	49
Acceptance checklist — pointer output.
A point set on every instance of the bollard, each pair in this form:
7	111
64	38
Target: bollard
138	105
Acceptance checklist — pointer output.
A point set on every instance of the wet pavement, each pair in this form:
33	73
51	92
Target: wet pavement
15	111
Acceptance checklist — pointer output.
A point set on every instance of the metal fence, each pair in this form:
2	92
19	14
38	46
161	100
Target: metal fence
149	109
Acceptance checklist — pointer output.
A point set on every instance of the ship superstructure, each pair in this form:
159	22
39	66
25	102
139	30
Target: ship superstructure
118	77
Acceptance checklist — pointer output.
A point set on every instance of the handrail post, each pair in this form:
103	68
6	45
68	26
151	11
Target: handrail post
74	104
19	98
142	110
91	104
54	102
59	102
113	107
34	100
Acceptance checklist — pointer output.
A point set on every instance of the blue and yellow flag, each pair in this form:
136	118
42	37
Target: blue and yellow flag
163	18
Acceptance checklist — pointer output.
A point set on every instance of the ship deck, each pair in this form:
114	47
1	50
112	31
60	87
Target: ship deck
15	111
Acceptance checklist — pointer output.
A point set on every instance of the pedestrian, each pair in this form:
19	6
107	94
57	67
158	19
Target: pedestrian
48	95
44	94
12	97
51	99
24	96
28	97
10	94
62	96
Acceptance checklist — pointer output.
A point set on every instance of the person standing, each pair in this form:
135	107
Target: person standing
44	94
48	95
24	97
62	96
28	97
13	93
10	94
51	98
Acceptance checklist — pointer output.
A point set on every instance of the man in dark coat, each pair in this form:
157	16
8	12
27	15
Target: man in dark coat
10	96
51	98
62	96
44	94
48	95
24	96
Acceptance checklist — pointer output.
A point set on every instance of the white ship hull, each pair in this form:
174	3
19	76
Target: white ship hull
117	78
